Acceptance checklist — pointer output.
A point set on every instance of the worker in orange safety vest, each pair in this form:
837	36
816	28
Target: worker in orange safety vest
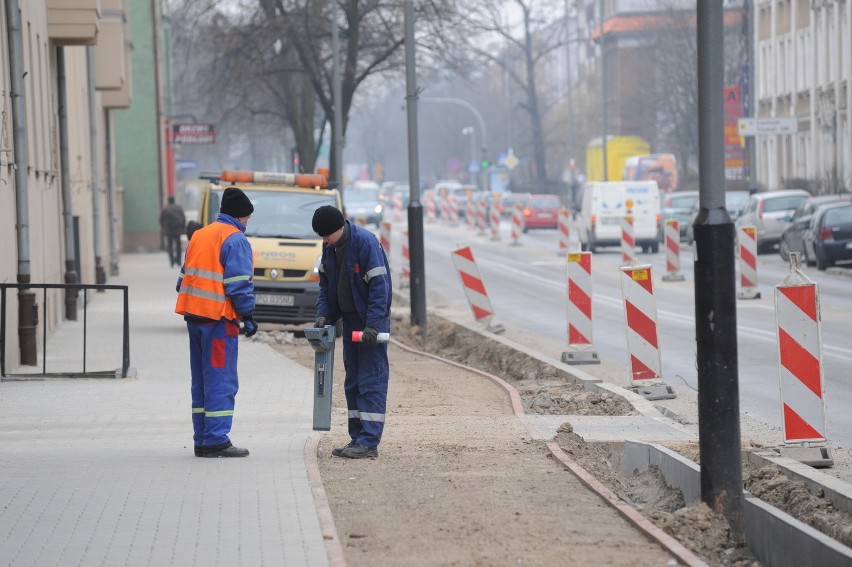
216	291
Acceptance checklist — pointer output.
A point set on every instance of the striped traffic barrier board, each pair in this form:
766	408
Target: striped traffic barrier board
747	238
517	223
800	359
494	215
640	306
474	287
385	237
579	276
628	241
672	233
564	230
405	272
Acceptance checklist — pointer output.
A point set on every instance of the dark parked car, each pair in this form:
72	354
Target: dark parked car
828	238
363	205
791	238
541	211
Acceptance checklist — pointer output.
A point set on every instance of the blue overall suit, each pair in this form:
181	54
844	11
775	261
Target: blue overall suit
213	344
366	366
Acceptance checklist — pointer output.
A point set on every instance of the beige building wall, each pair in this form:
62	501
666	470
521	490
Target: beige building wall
44	26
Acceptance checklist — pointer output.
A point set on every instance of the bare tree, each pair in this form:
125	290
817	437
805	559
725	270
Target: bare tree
518	47
274	58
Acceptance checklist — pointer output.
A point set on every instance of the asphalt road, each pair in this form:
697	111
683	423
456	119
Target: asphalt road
526	285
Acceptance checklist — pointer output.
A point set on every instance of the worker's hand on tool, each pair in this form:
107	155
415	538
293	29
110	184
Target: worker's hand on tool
370	336
319	323
249	326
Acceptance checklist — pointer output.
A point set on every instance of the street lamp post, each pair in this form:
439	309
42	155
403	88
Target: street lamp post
470	131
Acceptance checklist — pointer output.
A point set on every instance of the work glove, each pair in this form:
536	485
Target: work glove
249	326
320	322
370	336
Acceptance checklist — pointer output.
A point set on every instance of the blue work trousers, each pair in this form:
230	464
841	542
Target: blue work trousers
213	361
365	385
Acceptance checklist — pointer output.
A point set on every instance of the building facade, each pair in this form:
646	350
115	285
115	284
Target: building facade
64	68
803	66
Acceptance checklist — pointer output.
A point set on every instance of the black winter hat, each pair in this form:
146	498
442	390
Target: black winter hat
235	203
327	220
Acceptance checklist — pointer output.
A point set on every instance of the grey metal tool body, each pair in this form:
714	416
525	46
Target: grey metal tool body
322	341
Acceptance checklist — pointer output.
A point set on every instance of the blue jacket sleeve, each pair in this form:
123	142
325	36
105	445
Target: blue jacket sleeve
236	258
376	273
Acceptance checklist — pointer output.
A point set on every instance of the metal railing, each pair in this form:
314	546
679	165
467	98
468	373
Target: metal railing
125	355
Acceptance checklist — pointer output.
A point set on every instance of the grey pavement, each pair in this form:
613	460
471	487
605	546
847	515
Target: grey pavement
101	471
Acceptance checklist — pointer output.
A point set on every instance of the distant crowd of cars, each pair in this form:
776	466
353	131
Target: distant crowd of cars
819	228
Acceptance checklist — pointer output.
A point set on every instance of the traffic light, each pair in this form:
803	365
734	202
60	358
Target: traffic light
485	164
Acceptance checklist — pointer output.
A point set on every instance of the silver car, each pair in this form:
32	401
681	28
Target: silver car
769	212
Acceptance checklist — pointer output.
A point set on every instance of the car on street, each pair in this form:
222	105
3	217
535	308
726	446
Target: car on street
792	239
769	212
541	211
828	238
363	206
679	206
510	199
735	204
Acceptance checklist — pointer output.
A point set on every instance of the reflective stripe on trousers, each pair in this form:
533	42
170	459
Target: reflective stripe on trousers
213	363
365	385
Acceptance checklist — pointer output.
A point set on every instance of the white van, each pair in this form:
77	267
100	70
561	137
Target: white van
604	204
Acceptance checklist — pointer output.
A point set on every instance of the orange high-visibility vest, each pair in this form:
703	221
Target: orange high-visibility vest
202	291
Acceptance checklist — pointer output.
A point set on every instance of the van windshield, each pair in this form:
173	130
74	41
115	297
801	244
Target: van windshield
283	214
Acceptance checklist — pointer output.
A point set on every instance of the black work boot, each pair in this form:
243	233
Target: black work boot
359	452
220	451
338	452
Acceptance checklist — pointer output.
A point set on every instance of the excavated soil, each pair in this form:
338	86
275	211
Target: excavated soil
543	391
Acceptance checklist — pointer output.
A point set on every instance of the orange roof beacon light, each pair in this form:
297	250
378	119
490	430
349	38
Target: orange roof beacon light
318	179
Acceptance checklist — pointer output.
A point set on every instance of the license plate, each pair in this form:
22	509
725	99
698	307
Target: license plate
545	215
273	299
611	220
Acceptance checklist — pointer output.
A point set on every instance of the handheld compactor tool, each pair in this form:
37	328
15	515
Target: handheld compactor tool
322	341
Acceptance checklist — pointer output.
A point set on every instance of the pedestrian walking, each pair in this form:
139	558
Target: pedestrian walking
172	226
216	291
355	286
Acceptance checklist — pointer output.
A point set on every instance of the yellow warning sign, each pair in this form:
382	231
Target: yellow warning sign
574	257
628	203
639	275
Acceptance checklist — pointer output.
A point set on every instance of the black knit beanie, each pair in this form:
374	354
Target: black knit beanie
235	203
327	220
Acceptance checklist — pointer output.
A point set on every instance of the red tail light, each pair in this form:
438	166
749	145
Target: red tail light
527	212
594	221
760	209
825	234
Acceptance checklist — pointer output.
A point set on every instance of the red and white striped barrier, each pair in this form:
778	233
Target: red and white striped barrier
430	209
628	240
405	272
470	213
579	276
747	238
800	356
397	207
445	210
517	223
640	306
672	233
453	207
474	288
385	237
482	217
494	214
562	224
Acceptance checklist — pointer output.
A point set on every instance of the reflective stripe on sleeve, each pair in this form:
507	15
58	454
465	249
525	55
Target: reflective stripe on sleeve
197	410
379	271
236	279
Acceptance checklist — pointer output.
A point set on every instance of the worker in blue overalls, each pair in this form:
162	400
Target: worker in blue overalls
355	285
216	291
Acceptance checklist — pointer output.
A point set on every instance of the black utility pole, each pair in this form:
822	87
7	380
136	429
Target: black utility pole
715	290
416	249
